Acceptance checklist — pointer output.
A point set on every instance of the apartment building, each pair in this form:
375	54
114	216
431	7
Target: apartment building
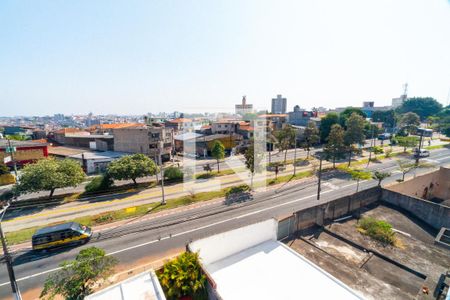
154	141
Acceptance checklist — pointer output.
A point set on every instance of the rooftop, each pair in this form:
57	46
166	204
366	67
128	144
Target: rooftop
180	120
113	126
249	263
70	225
144	286
4	143
376	270
89	136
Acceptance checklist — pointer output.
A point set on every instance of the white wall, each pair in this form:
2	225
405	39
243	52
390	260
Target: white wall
222	245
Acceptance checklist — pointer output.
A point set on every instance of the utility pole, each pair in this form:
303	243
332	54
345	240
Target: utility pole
12	150
163	200
8	260
295	154
371	146
420	146
319	177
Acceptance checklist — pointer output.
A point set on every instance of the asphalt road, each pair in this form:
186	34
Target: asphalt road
276	156
132	242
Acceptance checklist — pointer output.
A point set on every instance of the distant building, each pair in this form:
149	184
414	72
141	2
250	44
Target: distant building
277	121
224	127
25	152
152	141
397	102
243	108
301	117
279	105
183	125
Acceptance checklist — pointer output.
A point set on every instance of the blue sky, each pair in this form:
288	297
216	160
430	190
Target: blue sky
133	57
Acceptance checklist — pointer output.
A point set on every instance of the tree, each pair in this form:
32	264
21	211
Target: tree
407	142
410	121
359	175
325	125
335	145
218	152
173	173
49	175
100	183
182	276
286	138
355	130
388	117
343	116
380	176
311	135
407	166
422	106
75	279
132	167
253	161
3	169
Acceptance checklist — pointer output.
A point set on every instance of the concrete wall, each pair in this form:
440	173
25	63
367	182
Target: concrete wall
335	209
131	140
225	244
427	186
433	214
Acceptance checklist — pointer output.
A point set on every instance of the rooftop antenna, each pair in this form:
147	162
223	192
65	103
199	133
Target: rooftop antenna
405	89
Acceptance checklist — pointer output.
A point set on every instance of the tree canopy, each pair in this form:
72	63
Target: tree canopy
132	167
422	106
343	116
410	121
335	145
311	136
218	152
253	160
355	130
49	175
286	138
387	117
75	279
326	123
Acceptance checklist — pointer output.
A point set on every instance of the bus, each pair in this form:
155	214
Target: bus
66	234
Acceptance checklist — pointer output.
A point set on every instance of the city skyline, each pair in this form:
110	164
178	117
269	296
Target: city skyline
114	58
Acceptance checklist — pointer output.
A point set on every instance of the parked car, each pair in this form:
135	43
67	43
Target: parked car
384	136
421	153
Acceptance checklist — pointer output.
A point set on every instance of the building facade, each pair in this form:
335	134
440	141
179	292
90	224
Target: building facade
279	105
25	152
244	107
152	141
301	117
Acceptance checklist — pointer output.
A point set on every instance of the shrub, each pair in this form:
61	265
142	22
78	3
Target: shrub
237	189
99	184
173	173
377	150
3	169
377	229
388	152
182	277
103	218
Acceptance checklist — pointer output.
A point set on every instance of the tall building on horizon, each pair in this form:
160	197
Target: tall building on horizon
279	105
243	108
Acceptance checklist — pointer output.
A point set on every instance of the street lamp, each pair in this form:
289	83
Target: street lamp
320	174
8	260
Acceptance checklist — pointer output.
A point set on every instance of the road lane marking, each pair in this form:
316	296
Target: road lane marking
177	234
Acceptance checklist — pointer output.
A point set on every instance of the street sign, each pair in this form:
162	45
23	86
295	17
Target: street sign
10	149
7	159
